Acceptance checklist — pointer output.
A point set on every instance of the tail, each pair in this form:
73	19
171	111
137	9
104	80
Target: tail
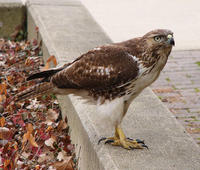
34	91
41	88
47	73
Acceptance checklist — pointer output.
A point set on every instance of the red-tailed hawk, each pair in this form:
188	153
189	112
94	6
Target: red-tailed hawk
112	74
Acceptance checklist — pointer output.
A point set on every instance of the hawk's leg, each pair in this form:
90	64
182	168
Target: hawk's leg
120	140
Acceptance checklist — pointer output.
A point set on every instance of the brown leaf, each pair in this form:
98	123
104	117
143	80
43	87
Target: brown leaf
29	128
3	87
32	141
2	121
49	142
67	164
193	130
173	99
62	125
45	156
2	98
52	115
1	106
37	167
51	58
163	90
25	138
29	137
49	128
10	79
61	155
6	163
5	133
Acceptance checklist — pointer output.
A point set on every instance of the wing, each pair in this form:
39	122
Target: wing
102	68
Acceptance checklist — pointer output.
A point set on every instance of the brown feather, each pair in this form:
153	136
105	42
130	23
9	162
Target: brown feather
34	91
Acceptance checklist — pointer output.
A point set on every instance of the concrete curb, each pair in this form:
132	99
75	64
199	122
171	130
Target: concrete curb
69	30
11	3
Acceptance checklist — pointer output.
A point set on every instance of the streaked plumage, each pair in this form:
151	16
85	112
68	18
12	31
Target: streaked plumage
116	72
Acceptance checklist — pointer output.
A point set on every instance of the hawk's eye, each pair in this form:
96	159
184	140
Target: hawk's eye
157	38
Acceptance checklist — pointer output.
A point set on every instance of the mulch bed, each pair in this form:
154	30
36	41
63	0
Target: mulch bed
33	134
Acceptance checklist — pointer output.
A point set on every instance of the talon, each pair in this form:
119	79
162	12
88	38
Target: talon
103	138
137	140
140	141
143	145
129	138
109	141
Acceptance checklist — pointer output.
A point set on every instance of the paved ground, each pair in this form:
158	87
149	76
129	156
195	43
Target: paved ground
179	88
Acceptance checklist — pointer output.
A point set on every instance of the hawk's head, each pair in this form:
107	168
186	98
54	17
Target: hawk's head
160	39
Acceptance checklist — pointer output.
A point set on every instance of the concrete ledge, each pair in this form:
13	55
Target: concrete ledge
12	17
54	2
67	31
11	3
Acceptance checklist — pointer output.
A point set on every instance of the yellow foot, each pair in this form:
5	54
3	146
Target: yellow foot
120	140
126	143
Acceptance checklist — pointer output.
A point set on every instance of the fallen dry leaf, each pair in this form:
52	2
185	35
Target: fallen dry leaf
66	164
49	128
163	90
6	163
32	136
37	167
44	156
2	121
62	125
61	156
29	137
193	130
52	115
172	99
49	142
3	88
49	60
2	98
4	133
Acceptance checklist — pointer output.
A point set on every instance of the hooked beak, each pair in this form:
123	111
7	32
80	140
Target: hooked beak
170	40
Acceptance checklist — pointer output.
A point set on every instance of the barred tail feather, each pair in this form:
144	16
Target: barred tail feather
47	73
34	91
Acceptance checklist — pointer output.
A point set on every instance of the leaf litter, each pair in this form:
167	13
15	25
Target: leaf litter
33	134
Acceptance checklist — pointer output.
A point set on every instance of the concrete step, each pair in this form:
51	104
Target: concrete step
68	30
